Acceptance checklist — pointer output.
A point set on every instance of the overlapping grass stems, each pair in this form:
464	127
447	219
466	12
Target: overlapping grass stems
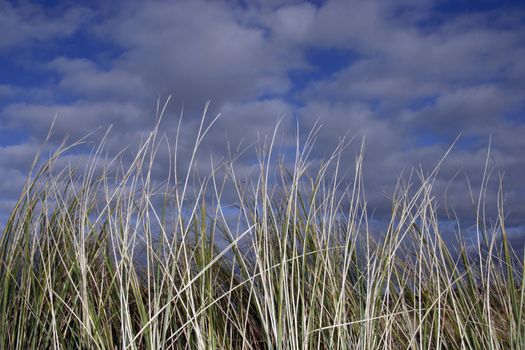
108	258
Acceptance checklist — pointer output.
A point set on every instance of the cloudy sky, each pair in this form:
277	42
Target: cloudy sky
409	76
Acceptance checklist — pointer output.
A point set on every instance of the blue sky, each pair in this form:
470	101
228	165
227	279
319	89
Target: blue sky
408	75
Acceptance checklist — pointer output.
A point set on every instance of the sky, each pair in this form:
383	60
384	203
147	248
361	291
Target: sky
408	76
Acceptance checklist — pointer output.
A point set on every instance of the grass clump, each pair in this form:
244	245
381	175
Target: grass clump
108	258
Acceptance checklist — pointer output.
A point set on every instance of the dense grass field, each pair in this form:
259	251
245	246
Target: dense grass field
109	257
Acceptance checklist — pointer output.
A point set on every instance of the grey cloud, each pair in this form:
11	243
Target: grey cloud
250	120
466	69
18	156
25	22
476	109
85	79
13	181
76	119
15	164
354	119
194	49
292	23
370	80
389	153
398	58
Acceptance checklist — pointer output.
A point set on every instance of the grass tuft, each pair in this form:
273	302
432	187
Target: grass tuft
109	258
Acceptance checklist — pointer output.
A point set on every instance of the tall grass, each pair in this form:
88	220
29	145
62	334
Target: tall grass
107	257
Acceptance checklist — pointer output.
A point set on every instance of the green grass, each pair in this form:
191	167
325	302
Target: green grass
108	258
